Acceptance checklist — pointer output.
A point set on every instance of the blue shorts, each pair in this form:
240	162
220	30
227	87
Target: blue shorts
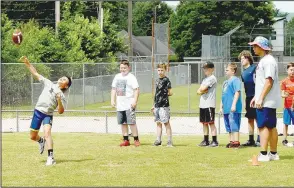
38	118
266	117
232	122
288	116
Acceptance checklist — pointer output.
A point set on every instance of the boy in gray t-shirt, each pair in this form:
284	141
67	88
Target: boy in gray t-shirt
51	97
207	90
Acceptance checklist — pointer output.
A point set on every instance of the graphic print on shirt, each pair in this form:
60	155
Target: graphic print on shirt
121	86
161	95
225	86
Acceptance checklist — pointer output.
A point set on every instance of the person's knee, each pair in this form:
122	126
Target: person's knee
33	136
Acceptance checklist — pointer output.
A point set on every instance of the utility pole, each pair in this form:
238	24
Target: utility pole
100	16
57	15
130	15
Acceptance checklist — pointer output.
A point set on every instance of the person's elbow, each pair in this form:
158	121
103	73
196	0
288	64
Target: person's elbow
60	110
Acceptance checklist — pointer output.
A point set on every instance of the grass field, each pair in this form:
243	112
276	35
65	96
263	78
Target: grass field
88	159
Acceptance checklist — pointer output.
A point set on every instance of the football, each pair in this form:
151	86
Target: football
17	37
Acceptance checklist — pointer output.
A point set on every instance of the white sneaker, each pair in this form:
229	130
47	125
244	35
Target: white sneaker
273	157
50	161
261	158
42	146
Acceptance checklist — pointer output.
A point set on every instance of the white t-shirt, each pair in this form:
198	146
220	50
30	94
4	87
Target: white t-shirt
268	67
47	101
124	86
207	100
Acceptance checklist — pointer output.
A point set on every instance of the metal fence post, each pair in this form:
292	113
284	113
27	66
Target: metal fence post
219	123
106	122
17	122
83	86
189	84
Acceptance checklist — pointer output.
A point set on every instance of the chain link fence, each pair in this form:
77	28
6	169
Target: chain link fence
88	108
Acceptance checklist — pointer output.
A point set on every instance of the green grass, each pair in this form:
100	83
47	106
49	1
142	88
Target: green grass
88	159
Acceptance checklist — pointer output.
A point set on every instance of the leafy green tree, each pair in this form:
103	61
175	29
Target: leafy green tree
143	13
192	19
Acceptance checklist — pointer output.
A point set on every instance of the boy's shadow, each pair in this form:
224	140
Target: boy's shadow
70	160
287	157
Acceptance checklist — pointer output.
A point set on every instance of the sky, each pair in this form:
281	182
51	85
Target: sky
284	6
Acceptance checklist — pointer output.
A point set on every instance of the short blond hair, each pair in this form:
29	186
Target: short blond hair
162	66
233	66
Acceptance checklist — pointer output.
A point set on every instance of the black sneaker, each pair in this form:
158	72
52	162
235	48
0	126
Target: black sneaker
157	143
285	142
204	143
249	143
213	144
229	144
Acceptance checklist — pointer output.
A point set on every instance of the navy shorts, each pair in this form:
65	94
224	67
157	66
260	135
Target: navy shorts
288	116
232	122
38	118
250	112
266	117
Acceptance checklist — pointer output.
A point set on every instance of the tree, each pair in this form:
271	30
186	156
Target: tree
192	19
143	13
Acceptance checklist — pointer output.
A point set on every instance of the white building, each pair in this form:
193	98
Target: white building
278	36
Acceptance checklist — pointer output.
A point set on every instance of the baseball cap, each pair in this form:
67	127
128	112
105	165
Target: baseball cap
208	64
261	42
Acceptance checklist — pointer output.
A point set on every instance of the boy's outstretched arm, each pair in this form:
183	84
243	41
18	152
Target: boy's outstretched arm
31	68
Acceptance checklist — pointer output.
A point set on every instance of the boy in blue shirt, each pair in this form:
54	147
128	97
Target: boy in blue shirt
248	78
232	109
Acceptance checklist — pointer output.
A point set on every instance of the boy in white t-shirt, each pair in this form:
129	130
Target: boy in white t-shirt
124	97
267	99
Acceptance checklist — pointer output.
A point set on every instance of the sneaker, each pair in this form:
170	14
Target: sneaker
136	143
257	144
290	144
285	142
234	145
273	157
281	134
169	144
228	145
249	143
50	161
262	158
131	135
213	144
204	143
42	146
125	143
157	143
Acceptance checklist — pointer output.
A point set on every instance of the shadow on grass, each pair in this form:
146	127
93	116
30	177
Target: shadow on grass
70	160
287	157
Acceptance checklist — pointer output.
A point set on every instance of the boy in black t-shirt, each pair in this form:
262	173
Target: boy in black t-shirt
161	108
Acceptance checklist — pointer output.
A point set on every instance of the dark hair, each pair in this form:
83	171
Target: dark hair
125	62
291	64
68	84
247	54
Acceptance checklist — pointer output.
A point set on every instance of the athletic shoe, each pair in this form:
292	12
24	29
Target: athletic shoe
157	143
213	144
169	144
125	143
285	142
50	161
131	135
257	144
137	143
249	143
204	143
229	144
235	145
262	158
273	157
42	146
